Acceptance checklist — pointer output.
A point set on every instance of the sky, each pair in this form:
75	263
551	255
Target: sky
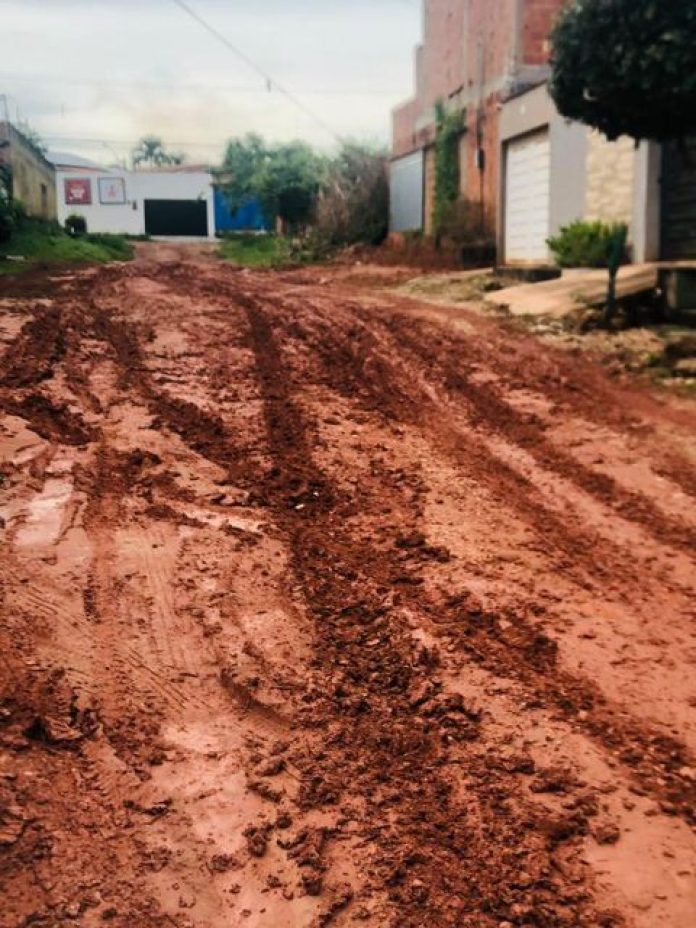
93	76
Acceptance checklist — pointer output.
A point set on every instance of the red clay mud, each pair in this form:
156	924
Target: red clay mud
321	606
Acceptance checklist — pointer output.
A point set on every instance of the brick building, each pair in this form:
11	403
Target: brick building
475	54
526	170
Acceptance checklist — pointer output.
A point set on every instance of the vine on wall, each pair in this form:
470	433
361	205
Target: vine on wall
449	126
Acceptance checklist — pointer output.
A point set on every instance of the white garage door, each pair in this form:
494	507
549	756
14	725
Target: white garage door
527	198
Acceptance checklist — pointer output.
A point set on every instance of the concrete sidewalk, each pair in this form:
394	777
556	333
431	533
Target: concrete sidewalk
575	288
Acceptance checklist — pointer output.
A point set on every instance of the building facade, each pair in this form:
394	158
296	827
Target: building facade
525	171
177	201
33	177
553	172
475	54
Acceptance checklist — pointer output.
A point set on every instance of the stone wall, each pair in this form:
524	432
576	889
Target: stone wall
609	185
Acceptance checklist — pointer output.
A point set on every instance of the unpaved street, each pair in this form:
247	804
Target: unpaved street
323	606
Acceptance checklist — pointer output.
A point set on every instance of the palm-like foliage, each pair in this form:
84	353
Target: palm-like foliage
151	150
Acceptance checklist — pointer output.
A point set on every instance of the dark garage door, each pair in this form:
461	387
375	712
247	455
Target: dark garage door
679	200
176	217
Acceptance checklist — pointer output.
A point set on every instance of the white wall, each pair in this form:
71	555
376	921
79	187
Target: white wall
126	219
129	218
176	185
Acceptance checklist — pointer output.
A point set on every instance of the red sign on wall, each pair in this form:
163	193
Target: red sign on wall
78	190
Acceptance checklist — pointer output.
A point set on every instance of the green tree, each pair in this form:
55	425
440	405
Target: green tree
151	150
241	167
627	67
284	178
288	183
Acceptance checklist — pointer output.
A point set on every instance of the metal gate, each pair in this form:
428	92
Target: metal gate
176	217
679	200
406	193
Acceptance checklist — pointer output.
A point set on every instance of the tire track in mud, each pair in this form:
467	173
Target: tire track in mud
31	360
356	368
525	653
440	862
488	409
437	811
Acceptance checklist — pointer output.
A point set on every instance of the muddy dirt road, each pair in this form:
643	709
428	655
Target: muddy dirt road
324	607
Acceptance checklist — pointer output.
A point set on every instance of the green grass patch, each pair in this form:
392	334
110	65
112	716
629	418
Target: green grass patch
250	250
40	243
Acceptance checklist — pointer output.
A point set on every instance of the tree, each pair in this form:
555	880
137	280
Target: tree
288	183
627	67
284	178
151	150
241	166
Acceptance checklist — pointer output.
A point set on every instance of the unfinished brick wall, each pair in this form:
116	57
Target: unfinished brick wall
538	19
471	52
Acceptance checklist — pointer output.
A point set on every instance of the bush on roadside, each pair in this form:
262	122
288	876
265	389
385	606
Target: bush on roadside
586	243
12	212
353	203
38	240
76	225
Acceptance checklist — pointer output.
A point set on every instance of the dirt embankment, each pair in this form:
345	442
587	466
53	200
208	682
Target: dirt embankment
322	606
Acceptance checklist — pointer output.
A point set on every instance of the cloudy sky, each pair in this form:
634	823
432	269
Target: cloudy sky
92	76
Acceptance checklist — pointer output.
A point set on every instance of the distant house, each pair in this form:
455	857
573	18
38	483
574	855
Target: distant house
525	170
32	174
171	201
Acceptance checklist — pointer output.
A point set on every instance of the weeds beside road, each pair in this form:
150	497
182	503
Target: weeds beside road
46	243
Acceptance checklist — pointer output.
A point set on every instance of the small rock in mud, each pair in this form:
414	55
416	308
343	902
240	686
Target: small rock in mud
312	883
553	780
265	790
257	840
606	833
222	863
271	767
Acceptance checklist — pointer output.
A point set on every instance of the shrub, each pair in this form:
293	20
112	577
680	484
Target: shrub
353	204
7	207
76	225
587	244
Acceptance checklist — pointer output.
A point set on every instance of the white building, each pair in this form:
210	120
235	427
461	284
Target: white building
164	201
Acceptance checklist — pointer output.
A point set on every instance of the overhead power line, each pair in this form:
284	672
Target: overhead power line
271	83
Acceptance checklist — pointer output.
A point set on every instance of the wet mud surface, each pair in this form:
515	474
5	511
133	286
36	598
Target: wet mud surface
322	606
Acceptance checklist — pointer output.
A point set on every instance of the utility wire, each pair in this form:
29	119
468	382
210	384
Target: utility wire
271	83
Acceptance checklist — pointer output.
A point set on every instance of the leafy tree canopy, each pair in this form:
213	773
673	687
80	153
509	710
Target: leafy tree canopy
627	67
151	150
285	178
